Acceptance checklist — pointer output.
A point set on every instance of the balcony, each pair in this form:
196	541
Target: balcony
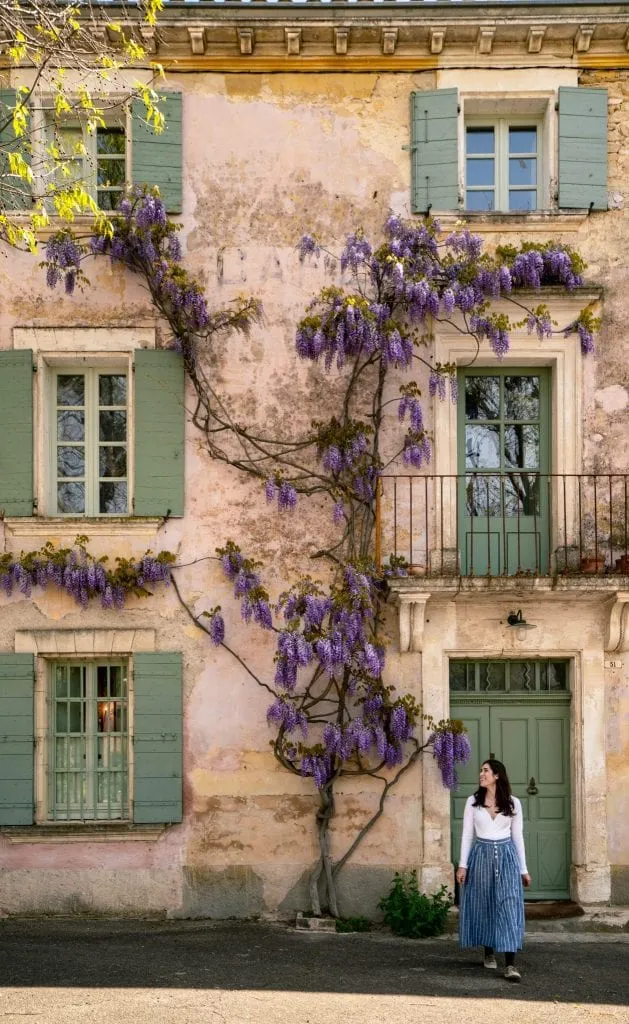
512	525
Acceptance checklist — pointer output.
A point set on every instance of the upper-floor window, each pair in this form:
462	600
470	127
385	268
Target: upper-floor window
506	152
97	158
90	451
502	164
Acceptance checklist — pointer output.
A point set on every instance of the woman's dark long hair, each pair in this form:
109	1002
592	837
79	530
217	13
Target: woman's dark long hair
504	800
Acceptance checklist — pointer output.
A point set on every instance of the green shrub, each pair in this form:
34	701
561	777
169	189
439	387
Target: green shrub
353	924
412	913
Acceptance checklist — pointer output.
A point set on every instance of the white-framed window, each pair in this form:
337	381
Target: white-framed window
89	440
503	161
97	157
87	733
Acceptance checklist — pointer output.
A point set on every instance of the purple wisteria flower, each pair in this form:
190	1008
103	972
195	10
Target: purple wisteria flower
450	748
217	629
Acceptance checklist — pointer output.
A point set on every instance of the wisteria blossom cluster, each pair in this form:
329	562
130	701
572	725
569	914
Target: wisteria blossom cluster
146	242
332	710
82	575
451	746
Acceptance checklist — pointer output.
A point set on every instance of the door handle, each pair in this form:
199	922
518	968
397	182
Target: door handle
532	788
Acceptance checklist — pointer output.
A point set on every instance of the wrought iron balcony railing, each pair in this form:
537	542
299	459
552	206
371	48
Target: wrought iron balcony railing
506	524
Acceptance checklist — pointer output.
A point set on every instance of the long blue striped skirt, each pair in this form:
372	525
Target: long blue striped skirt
492	900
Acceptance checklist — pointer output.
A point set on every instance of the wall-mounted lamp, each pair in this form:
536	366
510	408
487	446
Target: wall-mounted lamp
516	621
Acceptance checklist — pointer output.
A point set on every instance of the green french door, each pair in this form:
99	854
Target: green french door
522	717
504	461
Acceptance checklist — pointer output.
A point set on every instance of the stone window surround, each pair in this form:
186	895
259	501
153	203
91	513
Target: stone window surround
70	347
590	881
562	355
490	93
48	645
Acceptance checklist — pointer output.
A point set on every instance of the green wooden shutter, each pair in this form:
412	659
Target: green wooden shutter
17	680
159	433
156	159
157	737
18	195
16	432
434	150
583	148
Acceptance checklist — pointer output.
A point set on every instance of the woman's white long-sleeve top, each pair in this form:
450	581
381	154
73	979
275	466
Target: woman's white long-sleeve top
478	822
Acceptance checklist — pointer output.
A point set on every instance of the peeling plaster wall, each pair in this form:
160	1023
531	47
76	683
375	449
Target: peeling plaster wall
266	158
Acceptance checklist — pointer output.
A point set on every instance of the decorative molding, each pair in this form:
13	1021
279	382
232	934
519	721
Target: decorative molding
627	39
583	38
485	39
293	41
341	40
84	642
197	39
148	38
82	833
389	40
47	528
535	38
411	621
617	638
246	41
437	39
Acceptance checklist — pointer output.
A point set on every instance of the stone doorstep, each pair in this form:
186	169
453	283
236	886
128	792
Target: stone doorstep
315	924
565	917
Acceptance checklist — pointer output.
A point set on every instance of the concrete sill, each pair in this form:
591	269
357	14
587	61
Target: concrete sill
47	526
82	832
538	221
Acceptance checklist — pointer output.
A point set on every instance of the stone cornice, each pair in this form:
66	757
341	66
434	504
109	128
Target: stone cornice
390	36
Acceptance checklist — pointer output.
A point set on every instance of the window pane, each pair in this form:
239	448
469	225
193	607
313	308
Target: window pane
558	675
479	140
70	426
110	172
61	724
458	675
482	447
482	398
523	199
71	498
61	753
522	676
61	688
481	172
523	140
112	461
113	426
110	140
522	447
102	680
77	681
522	171
484	201
113	498
70	462
484	495
117	681
521	494
71	389
522	398
106	716
112	389
109	200
76	716
492	676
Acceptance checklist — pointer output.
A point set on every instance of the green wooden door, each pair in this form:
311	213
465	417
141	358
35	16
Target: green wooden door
529	730
504	459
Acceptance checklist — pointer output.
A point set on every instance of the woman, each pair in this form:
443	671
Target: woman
492	869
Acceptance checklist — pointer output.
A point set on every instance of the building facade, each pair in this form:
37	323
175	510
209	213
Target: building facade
135	770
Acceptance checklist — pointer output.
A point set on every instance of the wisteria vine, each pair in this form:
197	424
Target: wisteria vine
84	576
332	712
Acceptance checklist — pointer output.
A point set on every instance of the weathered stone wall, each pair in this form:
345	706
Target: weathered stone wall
268	157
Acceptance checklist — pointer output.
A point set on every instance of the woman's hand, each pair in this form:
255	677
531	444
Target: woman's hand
461	875
526	881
